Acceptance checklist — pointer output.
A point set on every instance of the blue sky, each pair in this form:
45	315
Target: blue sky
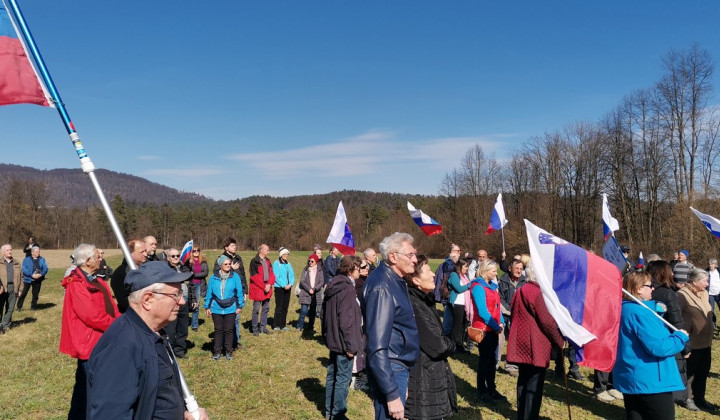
234	98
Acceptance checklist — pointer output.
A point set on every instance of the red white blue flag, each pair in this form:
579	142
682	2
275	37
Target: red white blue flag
610	224
497	218
583	292
425	222
711	223
19	82
186	251
340	235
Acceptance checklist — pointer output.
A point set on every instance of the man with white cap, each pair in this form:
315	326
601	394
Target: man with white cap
132	372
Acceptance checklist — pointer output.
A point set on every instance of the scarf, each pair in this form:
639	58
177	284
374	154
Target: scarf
312	272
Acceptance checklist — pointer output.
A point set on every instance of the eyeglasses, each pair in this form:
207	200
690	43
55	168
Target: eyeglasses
311	261
409	255
649	286
196	250
176	296
363	267
174	256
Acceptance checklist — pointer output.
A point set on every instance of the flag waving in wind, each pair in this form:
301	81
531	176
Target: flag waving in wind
186	251
610	224
425	222
710	222
497	218
340	235
583	292
19	82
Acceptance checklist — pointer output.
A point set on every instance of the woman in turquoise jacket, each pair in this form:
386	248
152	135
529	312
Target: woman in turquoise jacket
284	280
645	370
223	301
459	284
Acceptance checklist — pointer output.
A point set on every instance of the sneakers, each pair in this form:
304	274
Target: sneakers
705	406
574	374
228	356
615	394
605	397
256	333
216	356
276	328
511	370
285	329
690	405
266	331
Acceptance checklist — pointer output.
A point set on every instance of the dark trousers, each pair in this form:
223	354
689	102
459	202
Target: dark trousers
78	403
602	381
530	384
263	317
224	332
682	395
282	302
649	406
458	326
7	306
486	363
177	331
698	369
35	286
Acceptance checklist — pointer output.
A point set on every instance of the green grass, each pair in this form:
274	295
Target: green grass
281	376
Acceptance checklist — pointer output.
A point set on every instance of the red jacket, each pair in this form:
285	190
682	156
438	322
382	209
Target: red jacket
85	315
533	329
493	304
257	282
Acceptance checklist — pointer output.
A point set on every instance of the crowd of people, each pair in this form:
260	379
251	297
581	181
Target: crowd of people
379	321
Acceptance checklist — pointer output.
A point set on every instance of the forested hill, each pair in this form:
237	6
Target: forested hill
72	188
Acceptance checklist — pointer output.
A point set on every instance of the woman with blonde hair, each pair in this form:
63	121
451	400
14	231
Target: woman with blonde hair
199	267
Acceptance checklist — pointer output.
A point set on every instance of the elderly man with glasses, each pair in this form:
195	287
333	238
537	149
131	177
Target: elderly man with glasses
177	330
132	372
393	343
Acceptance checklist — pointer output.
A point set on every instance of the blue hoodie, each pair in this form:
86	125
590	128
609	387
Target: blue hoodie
645	362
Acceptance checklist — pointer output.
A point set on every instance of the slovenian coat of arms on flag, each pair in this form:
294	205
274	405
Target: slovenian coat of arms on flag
340	235
19	82
583	293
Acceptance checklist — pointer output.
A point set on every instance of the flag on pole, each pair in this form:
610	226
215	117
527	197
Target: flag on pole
425	222
19	81
641	261
497	218
340	235
186	251
583	293
711	223
610	224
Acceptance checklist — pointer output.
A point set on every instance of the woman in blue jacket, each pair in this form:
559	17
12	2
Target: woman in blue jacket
645	370
284	280
223	302
34	269
459	284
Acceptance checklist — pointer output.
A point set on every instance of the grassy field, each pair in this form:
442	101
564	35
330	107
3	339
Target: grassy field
281	376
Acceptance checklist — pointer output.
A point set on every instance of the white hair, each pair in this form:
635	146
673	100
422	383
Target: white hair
82	254
135	296
394	243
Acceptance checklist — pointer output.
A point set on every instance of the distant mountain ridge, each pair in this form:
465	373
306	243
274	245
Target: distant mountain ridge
72	188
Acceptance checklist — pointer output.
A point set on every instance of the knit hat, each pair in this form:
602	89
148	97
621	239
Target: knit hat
222	259
313	257
283	251
685	251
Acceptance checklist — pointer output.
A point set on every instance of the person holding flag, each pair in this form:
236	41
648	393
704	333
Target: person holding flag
645	370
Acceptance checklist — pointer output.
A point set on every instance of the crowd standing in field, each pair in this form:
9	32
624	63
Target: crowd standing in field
380	323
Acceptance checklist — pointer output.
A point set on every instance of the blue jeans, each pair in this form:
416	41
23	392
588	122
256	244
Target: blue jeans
447	319
196	312
337	384
310	309
401	375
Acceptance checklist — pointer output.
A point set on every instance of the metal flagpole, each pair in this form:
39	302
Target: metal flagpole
85	163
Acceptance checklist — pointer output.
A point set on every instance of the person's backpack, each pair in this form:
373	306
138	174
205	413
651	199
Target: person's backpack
445	287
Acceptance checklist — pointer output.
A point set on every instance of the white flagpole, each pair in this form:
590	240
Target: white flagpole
669	325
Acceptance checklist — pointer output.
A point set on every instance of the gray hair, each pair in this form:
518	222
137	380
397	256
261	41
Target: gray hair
530	272
82	254
5	246
368	251
134	297
697	274
35	248
712	260
394	243
653	257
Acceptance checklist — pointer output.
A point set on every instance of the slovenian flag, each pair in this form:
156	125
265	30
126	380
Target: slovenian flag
340	235
583	293
186	251
19	82
710	222
425	222
497	218
610	224
641	261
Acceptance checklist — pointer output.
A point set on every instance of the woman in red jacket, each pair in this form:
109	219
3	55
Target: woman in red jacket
531	337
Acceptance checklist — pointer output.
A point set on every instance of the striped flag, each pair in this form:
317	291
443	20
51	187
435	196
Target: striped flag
425	222
19	81
610	224
497	218
711	223
340	235
583	292
186	251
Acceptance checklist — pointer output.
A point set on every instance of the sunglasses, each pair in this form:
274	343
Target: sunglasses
311	261
196	250
174	256
363	267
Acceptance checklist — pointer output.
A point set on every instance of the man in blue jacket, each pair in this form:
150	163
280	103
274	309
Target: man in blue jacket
132	372
393	344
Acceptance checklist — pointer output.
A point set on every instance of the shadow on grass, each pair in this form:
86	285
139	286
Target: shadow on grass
46	305
578	396
26	320
323	360
314	391
469	393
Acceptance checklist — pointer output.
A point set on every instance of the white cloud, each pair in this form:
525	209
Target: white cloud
374	152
